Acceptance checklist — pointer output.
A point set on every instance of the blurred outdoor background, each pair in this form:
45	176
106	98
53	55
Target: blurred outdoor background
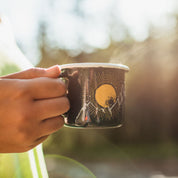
142	34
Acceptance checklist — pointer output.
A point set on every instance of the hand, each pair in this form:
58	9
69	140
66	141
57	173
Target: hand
31	105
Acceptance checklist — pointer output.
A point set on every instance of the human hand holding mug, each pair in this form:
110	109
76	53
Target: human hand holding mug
31	105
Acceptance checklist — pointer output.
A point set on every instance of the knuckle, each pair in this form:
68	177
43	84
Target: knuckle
36	72
14	89
58	124
20	90
23	91
24	134
33	71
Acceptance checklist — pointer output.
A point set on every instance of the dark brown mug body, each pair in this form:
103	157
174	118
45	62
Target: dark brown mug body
96	92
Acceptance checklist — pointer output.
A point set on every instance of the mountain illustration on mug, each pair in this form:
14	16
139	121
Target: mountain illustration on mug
104	108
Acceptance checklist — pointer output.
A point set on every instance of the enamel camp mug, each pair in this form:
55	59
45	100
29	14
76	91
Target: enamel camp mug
96	92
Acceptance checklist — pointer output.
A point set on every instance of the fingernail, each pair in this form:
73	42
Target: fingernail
54	69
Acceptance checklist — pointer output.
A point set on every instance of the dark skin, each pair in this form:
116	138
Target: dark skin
31	105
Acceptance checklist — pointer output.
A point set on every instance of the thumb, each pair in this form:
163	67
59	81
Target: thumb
52	72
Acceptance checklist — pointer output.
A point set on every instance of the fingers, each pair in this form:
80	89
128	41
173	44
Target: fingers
43	88
47	127
52	72
37	142
51	125
50	107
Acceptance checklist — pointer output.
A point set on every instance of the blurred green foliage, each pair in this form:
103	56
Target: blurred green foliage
8	68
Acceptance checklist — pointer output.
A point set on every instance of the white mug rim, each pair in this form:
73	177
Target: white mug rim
93	65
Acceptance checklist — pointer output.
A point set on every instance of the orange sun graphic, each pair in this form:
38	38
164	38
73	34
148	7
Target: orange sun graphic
105	95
